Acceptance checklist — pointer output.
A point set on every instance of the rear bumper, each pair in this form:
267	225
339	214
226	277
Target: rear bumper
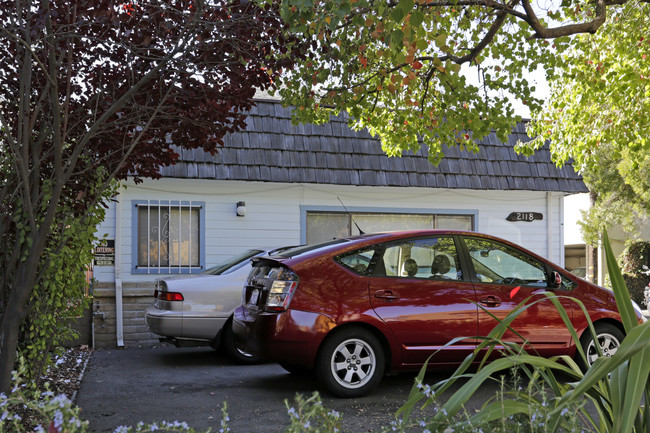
164	322
292	337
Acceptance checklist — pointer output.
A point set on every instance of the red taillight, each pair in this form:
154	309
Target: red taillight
282	289
170	296
280	295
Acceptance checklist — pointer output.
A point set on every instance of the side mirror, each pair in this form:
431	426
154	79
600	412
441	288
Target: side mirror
557	280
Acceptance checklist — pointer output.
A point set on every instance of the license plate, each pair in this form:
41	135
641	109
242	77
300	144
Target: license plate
254	297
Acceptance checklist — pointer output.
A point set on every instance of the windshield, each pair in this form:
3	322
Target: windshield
232	262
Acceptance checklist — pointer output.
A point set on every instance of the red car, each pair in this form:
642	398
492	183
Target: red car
354	308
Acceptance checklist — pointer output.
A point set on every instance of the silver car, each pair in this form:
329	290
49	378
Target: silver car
197	310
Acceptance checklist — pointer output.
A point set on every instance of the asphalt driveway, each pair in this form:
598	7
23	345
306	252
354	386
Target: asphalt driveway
125	386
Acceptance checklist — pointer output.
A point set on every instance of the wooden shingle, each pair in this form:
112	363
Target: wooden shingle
272	149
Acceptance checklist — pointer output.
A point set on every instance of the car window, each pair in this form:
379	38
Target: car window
302	249
232	263
495	262
567	283
357	261
430	258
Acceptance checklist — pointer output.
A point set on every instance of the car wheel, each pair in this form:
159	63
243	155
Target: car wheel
232	351
609	339
350	363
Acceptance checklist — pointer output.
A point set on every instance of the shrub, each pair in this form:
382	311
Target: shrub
635	261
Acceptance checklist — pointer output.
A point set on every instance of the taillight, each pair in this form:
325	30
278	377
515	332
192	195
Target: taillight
282	289
170	296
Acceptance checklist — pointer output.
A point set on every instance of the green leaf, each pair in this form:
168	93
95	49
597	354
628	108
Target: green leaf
417	18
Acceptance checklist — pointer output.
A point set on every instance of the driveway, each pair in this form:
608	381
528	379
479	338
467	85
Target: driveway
126	386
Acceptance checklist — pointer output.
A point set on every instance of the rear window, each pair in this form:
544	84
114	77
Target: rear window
232	263
293	252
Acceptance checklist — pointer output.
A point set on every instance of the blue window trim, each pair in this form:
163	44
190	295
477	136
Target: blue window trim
166	270
361	209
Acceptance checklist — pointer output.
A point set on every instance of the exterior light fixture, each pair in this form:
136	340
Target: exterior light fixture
241	209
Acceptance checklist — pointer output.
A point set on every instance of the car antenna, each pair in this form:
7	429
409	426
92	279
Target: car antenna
361	232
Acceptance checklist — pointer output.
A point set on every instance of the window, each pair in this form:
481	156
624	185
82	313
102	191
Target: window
498	263
358	261
169	237
430	258
322	226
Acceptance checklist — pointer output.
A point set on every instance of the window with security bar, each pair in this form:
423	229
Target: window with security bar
169	236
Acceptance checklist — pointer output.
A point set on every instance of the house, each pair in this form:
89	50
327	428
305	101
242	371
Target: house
278	184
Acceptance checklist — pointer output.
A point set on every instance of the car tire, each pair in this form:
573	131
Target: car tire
350	362
609	337
232	351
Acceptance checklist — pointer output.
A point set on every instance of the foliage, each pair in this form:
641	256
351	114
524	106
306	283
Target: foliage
598	117
93	91
62	293
402	69
635	261
616	385
309	415
26	409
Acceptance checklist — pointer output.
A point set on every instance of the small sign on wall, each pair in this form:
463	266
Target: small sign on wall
105	253
525	216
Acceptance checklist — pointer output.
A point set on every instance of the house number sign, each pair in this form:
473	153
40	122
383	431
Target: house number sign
525	216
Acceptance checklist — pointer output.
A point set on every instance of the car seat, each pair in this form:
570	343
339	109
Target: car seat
410	267
440	266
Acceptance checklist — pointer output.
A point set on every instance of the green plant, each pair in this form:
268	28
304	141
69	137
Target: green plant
634	267
62	293
28	409
309	415
616	385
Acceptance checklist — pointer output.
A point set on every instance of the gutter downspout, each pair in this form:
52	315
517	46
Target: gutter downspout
549	226
119	325
562	250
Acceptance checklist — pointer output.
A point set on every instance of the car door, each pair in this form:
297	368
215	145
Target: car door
504	276
425	299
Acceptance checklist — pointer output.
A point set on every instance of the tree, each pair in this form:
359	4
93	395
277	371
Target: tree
598	116
93	91
397	67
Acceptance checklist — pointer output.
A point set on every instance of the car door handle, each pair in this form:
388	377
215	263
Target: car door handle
490	301
387	295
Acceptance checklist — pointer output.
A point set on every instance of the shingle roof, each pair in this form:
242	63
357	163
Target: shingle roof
271	149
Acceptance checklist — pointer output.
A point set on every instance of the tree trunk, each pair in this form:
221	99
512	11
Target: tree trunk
592	252
10	326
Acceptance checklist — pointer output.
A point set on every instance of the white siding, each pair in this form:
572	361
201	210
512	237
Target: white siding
275	214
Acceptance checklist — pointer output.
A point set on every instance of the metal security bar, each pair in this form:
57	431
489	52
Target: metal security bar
166	240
